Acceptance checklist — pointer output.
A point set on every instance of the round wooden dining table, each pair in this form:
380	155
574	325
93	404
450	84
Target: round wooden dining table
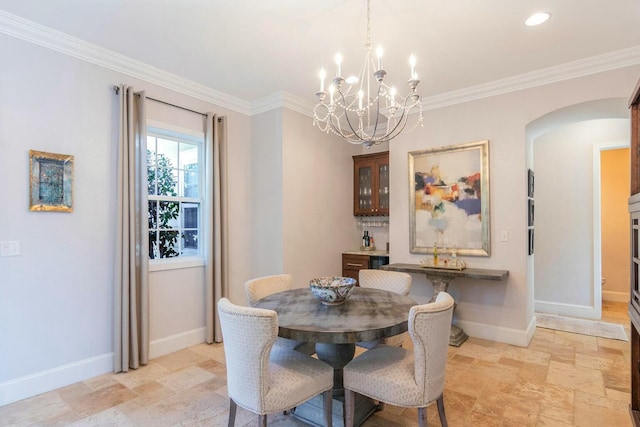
367	315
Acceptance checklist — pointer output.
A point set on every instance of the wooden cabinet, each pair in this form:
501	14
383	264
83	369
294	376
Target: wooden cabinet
371	184
352	264
634	209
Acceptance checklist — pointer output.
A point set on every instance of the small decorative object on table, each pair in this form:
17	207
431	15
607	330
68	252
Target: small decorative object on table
332	290
450	262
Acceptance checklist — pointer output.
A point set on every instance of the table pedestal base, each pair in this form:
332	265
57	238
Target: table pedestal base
312	411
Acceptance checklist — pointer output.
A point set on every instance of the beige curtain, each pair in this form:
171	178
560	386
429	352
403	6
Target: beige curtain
131	277
216	240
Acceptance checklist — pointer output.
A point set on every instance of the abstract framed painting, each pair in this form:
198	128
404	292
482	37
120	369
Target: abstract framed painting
50	182
449	199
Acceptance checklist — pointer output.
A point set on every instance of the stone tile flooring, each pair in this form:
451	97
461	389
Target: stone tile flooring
561	379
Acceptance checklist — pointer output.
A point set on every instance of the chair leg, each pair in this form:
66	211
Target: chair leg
328	407
232	412
443	416
422	417
262	420
349	407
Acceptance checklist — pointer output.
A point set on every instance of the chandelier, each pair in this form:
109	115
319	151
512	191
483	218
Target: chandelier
363	109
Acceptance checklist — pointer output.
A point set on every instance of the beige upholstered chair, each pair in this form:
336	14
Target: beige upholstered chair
256	289
392	281
261	378
261	287
402	377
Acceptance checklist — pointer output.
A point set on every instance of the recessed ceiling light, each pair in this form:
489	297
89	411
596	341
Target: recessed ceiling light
537	19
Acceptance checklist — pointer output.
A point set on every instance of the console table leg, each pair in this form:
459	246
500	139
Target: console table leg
441	284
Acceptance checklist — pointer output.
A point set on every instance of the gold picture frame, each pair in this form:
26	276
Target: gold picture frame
50	182
449	199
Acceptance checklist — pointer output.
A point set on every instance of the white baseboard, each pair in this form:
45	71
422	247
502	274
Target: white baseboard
517	337
176	342
61	376
615	296
51	379
569	310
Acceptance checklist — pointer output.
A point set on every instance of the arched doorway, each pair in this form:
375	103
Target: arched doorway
563	149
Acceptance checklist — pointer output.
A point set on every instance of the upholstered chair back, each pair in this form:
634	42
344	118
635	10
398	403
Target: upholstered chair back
261	287
429	327
249	334
392	281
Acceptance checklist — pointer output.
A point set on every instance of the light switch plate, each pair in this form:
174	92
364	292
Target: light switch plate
10	248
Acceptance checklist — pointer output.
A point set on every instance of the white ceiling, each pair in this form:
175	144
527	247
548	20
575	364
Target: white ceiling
251	49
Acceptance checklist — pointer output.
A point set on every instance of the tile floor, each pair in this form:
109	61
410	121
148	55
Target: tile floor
561	379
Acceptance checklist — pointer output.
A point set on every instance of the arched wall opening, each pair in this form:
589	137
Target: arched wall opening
563	149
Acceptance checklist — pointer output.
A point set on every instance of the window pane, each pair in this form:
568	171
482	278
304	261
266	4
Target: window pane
151	150
169	150
153	215
168	213
151	180
191	181
168	244
190	215
190	242
154	253
167	181
188	155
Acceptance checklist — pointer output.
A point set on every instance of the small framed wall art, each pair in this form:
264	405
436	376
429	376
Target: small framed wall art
531	182
50	182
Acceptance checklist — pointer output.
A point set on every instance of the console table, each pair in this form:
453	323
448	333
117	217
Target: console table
441	277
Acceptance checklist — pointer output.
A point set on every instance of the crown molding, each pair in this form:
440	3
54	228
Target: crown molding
570	70
282	100
32	32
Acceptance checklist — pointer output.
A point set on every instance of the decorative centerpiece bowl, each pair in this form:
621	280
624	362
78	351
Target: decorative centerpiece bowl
332	290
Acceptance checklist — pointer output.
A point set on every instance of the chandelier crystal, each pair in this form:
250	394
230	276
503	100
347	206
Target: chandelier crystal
363	109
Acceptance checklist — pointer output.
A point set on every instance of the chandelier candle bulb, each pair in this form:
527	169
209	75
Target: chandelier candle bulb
412	62
379	55
338	63
323	74
331	90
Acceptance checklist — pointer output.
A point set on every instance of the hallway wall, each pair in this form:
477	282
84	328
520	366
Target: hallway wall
565	271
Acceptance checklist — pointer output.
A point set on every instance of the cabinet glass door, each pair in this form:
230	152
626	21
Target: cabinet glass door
383	187
365	187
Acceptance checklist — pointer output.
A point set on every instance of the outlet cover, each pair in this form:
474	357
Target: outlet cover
10	248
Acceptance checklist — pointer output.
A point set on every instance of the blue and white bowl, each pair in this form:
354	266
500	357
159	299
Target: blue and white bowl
332	290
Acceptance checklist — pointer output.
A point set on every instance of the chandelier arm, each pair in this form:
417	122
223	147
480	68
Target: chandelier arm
347	117
337	129
405	111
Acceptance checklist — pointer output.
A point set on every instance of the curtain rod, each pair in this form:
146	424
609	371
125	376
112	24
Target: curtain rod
117	89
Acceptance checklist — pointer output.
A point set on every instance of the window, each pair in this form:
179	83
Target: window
174	166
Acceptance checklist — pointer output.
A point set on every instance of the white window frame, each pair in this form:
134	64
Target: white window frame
168	131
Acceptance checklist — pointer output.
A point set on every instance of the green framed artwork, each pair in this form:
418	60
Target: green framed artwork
50	182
